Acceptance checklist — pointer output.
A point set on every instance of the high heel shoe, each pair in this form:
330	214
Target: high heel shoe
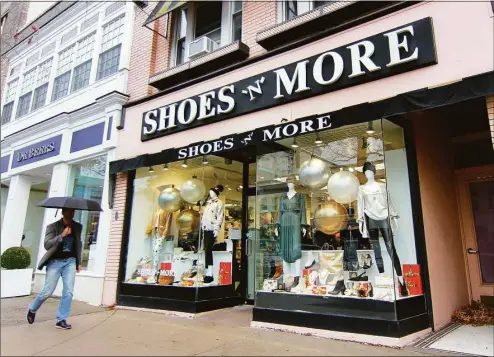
339	288
361	277
368	262
278	269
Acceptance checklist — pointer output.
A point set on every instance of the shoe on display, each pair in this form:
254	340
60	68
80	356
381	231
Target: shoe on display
30	317
339	288
300	288
367	261
311	261
208	279
361	277
334	280
288	280
63	325
151	280
278	269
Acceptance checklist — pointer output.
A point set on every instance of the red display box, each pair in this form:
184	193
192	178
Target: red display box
225	273
413	279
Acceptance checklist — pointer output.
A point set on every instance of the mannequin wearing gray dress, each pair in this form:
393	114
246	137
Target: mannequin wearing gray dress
291	219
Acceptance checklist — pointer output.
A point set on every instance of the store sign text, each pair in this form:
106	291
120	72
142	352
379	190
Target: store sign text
261	135
396	51
35	152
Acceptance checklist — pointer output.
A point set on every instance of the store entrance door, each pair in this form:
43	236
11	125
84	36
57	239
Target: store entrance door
476	198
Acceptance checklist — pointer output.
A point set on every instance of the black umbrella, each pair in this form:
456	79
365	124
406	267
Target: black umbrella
71	202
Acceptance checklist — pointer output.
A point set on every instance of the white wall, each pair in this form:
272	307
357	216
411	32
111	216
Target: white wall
32	225
3	195
398	186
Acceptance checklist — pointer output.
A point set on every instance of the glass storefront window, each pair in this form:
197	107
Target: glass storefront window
334	216
88	178
186	221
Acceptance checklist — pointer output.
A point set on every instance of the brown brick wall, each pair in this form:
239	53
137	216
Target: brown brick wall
151	52
16	19
257	15
116	228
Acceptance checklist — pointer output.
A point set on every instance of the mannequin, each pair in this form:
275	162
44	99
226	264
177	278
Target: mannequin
211	221
157	229
376	214
291	223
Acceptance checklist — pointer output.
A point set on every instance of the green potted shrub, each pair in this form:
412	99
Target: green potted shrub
16	276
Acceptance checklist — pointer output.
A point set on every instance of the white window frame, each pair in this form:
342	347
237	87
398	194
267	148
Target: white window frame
226	29
303	7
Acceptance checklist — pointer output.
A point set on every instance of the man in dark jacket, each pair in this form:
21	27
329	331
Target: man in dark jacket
62	259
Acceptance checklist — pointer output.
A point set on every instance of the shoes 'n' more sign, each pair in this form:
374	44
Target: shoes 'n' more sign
398	50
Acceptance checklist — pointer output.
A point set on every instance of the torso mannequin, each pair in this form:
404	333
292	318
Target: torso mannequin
290	194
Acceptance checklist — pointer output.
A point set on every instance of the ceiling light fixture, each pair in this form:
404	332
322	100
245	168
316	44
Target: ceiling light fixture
318	140
370	128
294	144
165	167
151	170
184	164
351	169
205	160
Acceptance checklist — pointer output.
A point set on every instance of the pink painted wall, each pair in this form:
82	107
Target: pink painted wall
465	46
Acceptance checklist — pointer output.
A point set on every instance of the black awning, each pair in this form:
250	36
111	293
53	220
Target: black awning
472	87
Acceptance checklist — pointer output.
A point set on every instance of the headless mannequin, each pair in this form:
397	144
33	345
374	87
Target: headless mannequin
294	268
373	217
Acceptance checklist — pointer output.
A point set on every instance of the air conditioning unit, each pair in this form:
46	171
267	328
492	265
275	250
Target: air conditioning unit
202	46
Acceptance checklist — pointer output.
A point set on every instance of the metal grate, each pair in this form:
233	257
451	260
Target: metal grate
48	49
93	20
32	59
69	35
113	8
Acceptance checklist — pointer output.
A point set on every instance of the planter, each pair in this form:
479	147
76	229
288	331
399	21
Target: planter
16	282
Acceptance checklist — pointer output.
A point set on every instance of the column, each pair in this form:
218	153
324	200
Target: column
15	211
58	188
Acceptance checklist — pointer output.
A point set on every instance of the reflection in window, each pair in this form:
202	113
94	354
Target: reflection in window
87	181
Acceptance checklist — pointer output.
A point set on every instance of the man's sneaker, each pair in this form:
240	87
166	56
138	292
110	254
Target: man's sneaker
30	316
63	325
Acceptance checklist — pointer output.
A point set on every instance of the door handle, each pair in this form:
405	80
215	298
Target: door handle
248	246
472	251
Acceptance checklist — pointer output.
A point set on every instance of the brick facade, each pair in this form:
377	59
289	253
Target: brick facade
151	52
115	240
16	19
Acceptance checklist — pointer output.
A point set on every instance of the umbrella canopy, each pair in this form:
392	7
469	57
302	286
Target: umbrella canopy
71	202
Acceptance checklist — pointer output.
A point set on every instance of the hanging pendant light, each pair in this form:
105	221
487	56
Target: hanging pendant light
205	160
318	140
184	164
370	128
165	167
294	144
151	170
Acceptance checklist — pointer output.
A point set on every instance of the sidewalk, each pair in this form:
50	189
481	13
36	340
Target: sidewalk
100	331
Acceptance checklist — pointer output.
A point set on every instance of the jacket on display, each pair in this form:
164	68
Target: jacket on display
162	221
212	217
375	205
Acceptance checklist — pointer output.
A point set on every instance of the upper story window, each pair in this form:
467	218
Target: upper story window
109	59
294	8
11	90
28	81
9	100
220	22
65	59
44	70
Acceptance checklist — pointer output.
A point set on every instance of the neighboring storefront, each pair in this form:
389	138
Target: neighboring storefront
310	177
56	159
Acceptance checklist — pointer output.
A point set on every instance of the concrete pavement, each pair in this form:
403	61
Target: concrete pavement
100	331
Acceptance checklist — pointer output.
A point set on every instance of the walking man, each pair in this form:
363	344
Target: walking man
62	259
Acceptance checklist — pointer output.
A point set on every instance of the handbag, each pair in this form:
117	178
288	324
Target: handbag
331	260
270	284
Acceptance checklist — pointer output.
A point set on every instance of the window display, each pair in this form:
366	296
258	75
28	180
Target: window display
334	215
183	223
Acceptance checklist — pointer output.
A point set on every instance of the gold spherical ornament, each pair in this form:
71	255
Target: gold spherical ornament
343	187
330	217
170	200
188	221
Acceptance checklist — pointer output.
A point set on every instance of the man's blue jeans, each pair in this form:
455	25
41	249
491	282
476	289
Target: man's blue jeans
56	268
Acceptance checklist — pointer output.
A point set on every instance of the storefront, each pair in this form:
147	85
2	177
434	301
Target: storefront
300	189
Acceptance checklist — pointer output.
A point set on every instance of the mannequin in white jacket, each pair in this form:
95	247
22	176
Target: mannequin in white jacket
211	221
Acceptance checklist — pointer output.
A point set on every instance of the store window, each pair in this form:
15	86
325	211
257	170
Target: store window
334	216
87	181
185	223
